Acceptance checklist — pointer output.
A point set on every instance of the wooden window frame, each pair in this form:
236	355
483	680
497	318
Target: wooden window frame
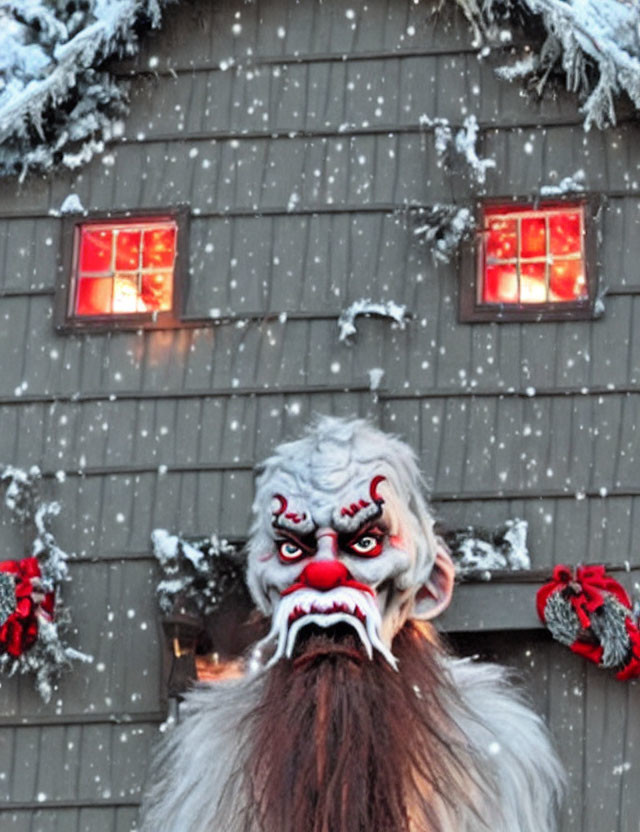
472	263
67	321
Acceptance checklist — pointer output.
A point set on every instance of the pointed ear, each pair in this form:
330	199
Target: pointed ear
434	596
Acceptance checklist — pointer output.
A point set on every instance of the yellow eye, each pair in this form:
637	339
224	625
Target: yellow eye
368	545
289	551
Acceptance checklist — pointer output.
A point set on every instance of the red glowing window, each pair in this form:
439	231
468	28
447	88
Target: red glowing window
533	256
124	268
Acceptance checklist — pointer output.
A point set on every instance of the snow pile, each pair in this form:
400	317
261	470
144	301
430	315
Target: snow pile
443	228
594	43
383	309
50	654
72	204
57	102
196	575
479	552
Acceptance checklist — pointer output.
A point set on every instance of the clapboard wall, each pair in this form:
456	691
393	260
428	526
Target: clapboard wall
293	131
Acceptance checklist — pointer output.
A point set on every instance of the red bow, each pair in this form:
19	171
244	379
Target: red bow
20	631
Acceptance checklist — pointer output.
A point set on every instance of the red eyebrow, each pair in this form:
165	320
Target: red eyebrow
354	508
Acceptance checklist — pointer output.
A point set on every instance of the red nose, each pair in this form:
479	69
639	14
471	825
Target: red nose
324	574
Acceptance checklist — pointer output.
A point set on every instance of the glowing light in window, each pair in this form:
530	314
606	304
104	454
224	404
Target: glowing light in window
533	256
125	268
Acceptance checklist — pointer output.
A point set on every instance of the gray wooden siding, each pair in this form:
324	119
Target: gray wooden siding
300	146
390	170
82	819
596	734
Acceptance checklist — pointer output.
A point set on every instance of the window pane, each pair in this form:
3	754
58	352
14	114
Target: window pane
500	285
95	251
502	241
124	268
159	248
533	287
125	294
128	250
564	232
94	296
567	281
531	255
533	237
157	290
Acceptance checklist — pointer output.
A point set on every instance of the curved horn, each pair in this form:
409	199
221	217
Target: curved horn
373	489
283	505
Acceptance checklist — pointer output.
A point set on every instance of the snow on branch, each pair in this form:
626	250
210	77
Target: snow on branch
594	43
196	575
478	552
443	228
575	183
382	309
57	104
463	143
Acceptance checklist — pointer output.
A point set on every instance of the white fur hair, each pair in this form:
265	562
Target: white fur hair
332	454
198	777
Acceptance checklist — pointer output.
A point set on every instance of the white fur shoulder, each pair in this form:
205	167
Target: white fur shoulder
197	773
515	746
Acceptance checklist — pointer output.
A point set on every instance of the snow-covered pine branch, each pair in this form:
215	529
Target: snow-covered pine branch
594	43
57	105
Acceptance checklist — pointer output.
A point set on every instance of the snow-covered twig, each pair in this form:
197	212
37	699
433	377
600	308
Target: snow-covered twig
383	309
463	143
570	184
443	228
197	574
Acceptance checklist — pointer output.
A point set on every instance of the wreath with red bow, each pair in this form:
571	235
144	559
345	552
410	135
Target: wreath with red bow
31	611
591	613
23	603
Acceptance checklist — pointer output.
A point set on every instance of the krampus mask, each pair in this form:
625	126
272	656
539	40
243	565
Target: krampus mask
351	716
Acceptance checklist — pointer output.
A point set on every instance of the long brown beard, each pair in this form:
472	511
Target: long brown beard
344	744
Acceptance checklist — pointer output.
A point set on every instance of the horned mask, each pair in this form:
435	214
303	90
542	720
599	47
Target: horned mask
342	535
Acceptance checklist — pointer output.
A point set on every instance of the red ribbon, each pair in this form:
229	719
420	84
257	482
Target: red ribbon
20	631
632	668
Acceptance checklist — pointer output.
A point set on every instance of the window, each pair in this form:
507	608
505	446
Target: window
123	272
531	264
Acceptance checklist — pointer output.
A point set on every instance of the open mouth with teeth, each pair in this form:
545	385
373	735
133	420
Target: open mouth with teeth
343	605
316	609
